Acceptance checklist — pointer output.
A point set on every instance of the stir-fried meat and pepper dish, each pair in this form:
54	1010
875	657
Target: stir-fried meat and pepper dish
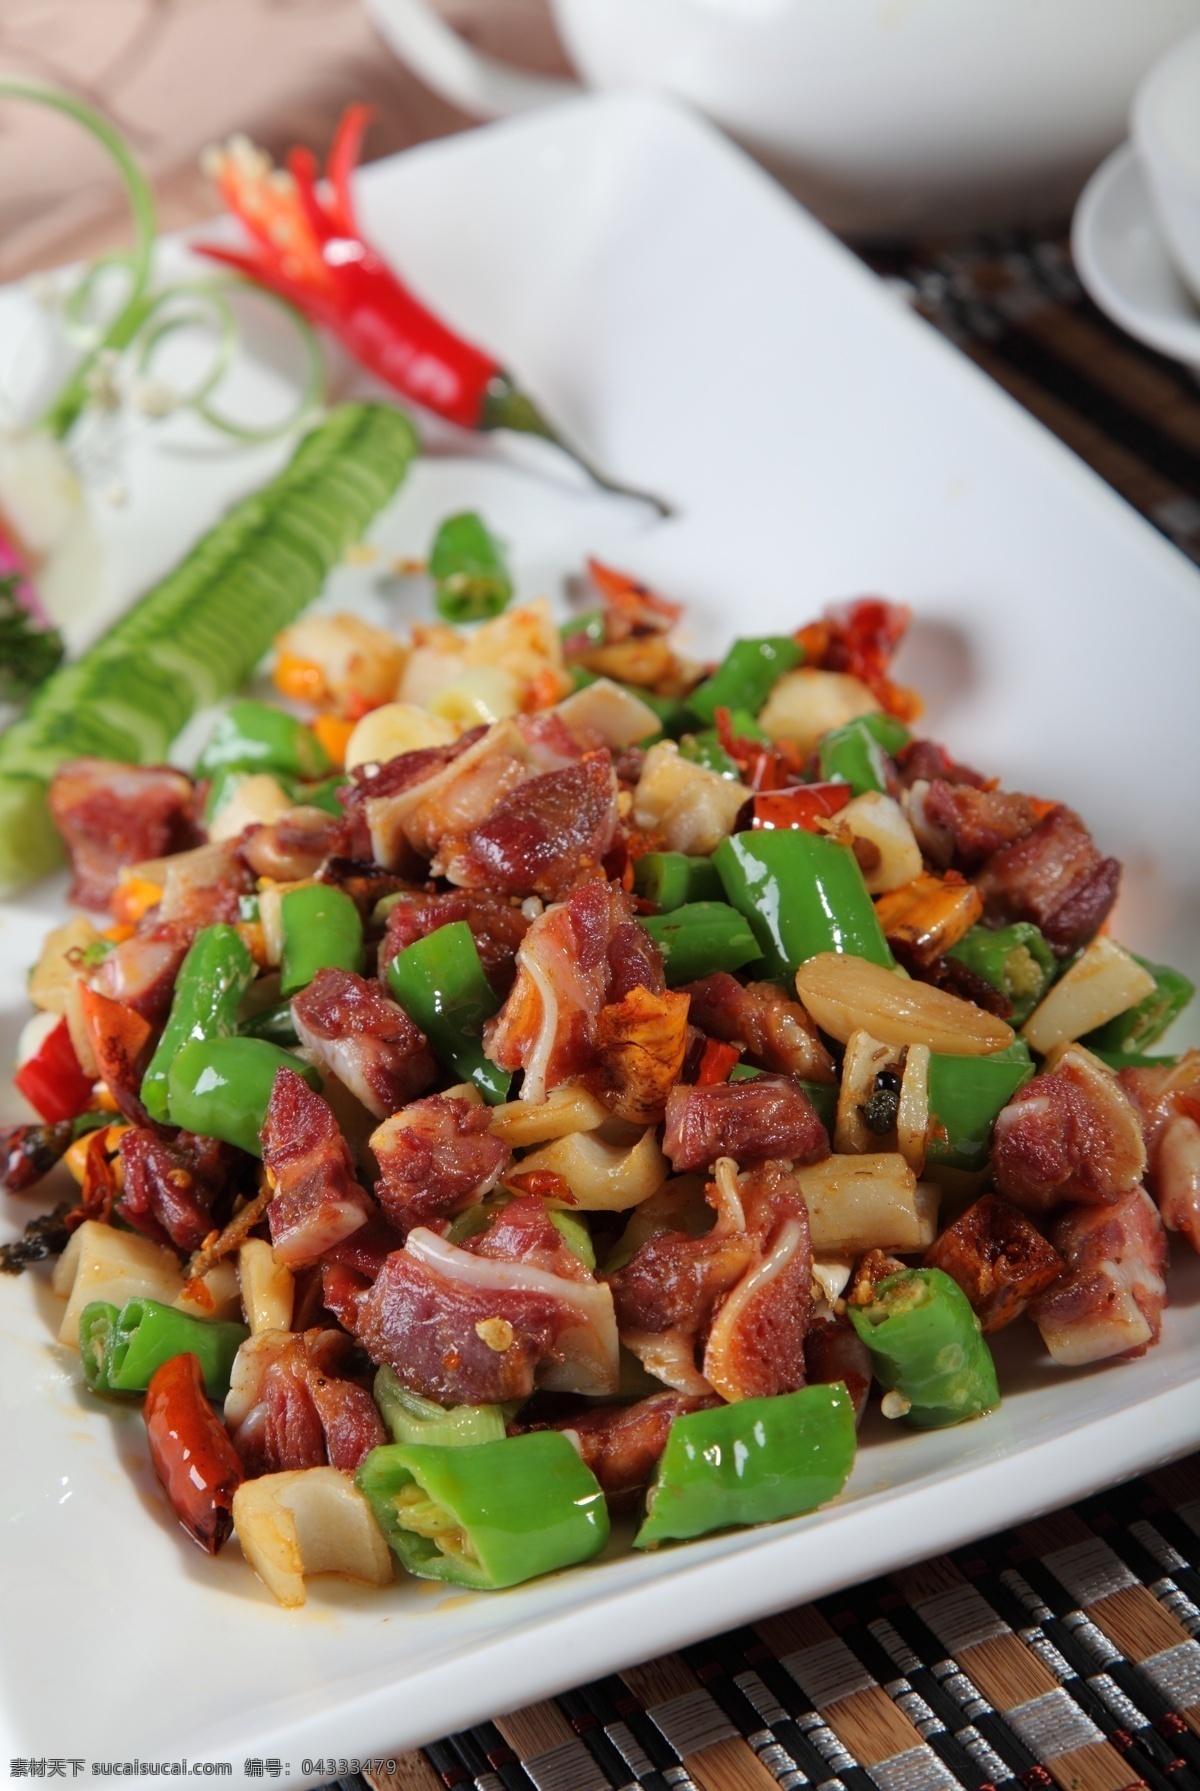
533	1074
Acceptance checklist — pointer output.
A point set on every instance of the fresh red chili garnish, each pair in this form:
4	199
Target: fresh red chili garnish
192	1453
52	1079
308	248
803	807
715	1064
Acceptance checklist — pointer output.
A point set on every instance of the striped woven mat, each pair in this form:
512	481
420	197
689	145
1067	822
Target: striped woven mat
1060	1653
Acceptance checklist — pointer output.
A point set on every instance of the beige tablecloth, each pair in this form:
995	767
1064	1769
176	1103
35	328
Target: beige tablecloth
177	74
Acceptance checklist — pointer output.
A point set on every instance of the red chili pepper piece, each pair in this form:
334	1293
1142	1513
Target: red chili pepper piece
547	1184
633	608
192	1452
715	1064
801	807
307	247
861	638
120	1037
762	767
52	1079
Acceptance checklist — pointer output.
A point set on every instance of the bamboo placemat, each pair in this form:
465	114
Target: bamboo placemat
1059	1653
1062	1652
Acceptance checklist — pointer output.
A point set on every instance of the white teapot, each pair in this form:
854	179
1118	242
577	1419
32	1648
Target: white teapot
885	116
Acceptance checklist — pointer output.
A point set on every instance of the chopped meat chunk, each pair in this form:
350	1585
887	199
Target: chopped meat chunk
112	815
621	1444
565	975
1109	1299
1070	1134
1168	1102
1054	877
294	1403
834	1351
999	1259
761	1019
294	847
921	761
471	1327
203	886
766	1117
435	1157
545	836
496	922
317	1201
141	971
174	1192
962	826
364	1039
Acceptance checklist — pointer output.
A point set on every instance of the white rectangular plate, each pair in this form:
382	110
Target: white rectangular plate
702	337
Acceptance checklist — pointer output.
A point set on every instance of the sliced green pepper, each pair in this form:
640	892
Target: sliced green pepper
487	1515
852	755
208	990
891	734
699	938
966	1094
469	570
671	879
121	1350
440	984
221	1088
1133	1060
745	677
1145	1023
323	795
275	1024
254	736
926	1345
1015	960
705	747
322	930
802	894
752	1462
411	1419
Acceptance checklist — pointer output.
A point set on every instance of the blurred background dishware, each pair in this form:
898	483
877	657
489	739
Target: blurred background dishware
1136	233
884	116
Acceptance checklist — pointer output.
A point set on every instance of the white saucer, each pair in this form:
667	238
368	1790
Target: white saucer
1123	261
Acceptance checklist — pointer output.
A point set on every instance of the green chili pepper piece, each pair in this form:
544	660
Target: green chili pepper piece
576	1236
97	1322
1145	1023
966	1094
1133	1060
745	676
323	795
224	783
926	1344
1015	960
212	980
671	879
891	734
752	1462
411	1419
699	938
275	1024
591	627
852	755
221	1088
440	984
469	570
802	894
147	1334
322	930
488	1515
254	736
705	749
